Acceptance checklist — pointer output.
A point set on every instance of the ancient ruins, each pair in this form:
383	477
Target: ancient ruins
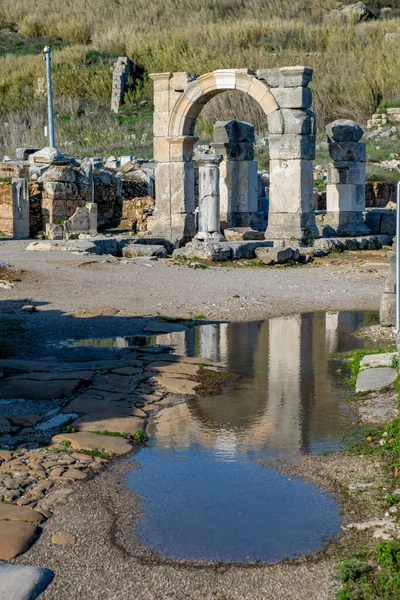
208	201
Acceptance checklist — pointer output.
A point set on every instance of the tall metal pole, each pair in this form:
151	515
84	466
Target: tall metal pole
47	58
398	258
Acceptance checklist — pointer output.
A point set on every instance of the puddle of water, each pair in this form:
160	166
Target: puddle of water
203	494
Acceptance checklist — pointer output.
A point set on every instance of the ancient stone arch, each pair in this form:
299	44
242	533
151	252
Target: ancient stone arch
285	98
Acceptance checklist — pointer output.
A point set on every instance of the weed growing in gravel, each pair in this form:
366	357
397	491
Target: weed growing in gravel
372	576
140	437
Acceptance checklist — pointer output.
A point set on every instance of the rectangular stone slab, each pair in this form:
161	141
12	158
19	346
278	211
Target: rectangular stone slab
375	379
103	443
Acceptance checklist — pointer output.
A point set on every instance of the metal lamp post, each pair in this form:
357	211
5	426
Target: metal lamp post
47	58
398	259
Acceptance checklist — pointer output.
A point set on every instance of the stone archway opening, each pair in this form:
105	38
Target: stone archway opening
284	97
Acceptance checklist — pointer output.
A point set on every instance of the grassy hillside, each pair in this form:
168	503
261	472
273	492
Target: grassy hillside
356	65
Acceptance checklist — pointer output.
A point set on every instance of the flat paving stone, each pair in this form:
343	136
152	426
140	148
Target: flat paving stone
87	440
12	512
89	406
62	538
176	385
15	538
105	422
27	390
375	379
377	360
22	583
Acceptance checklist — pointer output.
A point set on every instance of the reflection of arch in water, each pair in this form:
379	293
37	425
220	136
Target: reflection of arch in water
289	381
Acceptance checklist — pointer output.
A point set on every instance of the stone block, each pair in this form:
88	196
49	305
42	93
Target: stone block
291	147
390	284
286	77
291	226
24	153
388	310
291	186
345	223
293	97
214	251
372	220
347	172
345	197
271	256
344	130
144	250
292	121
238	234
233	131
247	250
388	223
61	190
46	156
347	151
54	232
235	150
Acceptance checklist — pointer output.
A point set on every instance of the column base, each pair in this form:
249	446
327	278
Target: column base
343	223
291	226
205	236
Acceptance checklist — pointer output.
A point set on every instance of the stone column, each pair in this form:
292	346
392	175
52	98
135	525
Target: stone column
291	138
209	227
345	192
238	173
174	175
20	208
388	298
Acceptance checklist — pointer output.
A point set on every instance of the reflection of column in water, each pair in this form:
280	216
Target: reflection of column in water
331	332
210	340
284	394
121	342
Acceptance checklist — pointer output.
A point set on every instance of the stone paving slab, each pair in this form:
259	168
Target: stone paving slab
89	405
15	538
22	583
377	360
11	512
173	367
103	443
106	422
375	379
26	389
176	385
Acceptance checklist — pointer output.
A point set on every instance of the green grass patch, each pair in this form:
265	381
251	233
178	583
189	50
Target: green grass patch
94	453
200	317
140	437
372	576
112	434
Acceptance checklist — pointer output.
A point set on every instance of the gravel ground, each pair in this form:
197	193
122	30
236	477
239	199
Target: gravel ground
61	282
107	562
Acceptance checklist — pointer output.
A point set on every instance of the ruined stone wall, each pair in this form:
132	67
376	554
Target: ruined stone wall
137	206
107	195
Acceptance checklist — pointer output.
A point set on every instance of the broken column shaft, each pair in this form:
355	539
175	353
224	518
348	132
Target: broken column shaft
209	227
